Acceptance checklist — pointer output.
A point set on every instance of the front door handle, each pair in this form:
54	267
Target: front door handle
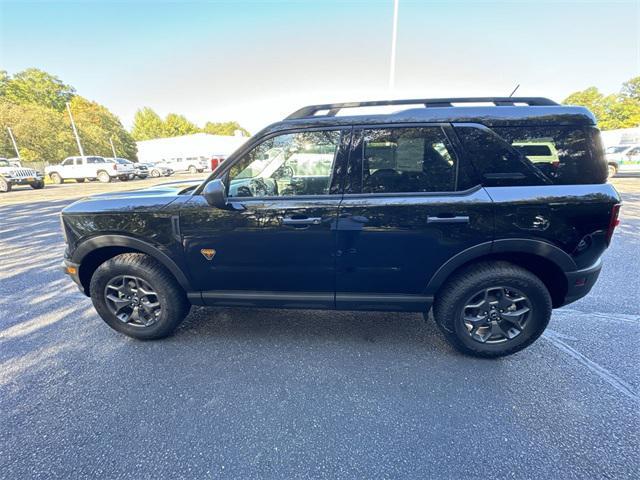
445	219
301	221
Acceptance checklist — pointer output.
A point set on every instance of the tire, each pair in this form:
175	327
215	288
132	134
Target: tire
142	177
612	170
173	302
5	186
56	178
504	281
193	170
80	180
123	178
103	177
37	185
155	173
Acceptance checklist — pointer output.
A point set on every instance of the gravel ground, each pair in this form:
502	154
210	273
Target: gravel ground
240	393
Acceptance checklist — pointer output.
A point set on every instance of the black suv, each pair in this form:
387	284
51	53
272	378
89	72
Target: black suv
492	211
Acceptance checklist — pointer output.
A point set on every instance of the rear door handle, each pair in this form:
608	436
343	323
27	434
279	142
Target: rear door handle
301	221
443	219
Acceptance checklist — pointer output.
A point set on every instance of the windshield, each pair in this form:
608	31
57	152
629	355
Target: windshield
618	149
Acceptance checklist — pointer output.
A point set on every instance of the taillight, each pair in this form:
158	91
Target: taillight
613	221
115	167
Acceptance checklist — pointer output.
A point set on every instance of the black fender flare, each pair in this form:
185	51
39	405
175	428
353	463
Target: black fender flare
539	248
86	247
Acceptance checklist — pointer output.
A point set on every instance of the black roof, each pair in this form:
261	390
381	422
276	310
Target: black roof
505	111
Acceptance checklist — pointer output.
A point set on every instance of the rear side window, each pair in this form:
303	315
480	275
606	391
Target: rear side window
396	160
535	155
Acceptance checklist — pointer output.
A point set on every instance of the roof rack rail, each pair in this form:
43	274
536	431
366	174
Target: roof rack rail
333	108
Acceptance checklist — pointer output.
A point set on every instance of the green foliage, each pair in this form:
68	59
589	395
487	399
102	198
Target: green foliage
42	133
33	86
32	103
176	125
148	125
620	110
96	125
224	128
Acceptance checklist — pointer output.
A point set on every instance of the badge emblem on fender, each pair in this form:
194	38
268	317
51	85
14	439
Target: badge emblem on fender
208	253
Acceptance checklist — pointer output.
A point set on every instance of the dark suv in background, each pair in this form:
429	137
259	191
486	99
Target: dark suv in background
491	211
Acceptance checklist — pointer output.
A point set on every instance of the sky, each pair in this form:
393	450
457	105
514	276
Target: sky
257	61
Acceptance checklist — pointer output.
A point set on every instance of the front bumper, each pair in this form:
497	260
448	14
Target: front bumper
73	270
24	180
581	282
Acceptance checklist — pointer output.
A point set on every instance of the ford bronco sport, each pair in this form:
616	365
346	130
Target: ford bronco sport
436	206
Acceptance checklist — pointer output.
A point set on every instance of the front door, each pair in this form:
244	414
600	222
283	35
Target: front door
276	245
407	209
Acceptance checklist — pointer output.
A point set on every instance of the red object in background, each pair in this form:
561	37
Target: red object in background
215	162
614	221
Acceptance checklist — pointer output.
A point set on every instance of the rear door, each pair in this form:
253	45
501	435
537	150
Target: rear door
408	208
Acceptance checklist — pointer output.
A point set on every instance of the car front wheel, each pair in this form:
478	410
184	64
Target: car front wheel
193	170
37	185
137	296
612	170
56	178
492	309
4	186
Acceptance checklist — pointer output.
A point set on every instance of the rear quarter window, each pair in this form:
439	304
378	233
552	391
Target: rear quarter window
535	155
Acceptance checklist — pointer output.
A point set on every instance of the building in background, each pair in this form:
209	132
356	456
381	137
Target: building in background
622	136
186	149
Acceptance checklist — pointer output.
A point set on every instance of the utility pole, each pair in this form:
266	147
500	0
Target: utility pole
394	37
113	149
75	131
13	140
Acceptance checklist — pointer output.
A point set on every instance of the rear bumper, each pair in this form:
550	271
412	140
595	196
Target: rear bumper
581	282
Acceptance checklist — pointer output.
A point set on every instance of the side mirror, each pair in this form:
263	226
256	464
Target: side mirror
215	194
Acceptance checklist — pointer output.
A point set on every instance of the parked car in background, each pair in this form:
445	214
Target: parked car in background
125	168
191	165
13	173
623	159
140	170
83	168
158	169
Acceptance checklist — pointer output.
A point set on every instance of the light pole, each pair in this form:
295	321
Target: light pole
75	131
113	149
394	38
13	140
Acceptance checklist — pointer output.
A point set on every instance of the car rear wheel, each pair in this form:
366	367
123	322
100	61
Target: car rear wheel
4	186
493	309
103	176
137	296
56	178
612	170
37	185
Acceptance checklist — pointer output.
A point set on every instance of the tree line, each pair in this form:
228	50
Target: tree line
147	125
616	110
33	103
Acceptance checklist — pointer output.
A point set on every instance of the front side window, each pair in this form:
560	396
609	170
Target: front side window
292	164
68	161
398	160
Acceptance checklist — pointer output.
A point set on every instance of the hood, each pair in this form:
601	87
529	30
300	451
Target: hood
146	199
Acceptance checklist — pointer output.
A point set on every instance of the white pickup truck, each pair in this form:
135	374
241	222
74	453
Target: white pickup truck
88	168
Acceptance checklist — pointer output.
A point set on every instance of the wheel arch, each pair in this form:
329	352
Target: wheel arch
91	253
546	261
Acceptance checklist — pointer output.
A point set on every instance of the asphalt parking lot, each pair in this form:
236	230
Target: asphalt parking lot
245	394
